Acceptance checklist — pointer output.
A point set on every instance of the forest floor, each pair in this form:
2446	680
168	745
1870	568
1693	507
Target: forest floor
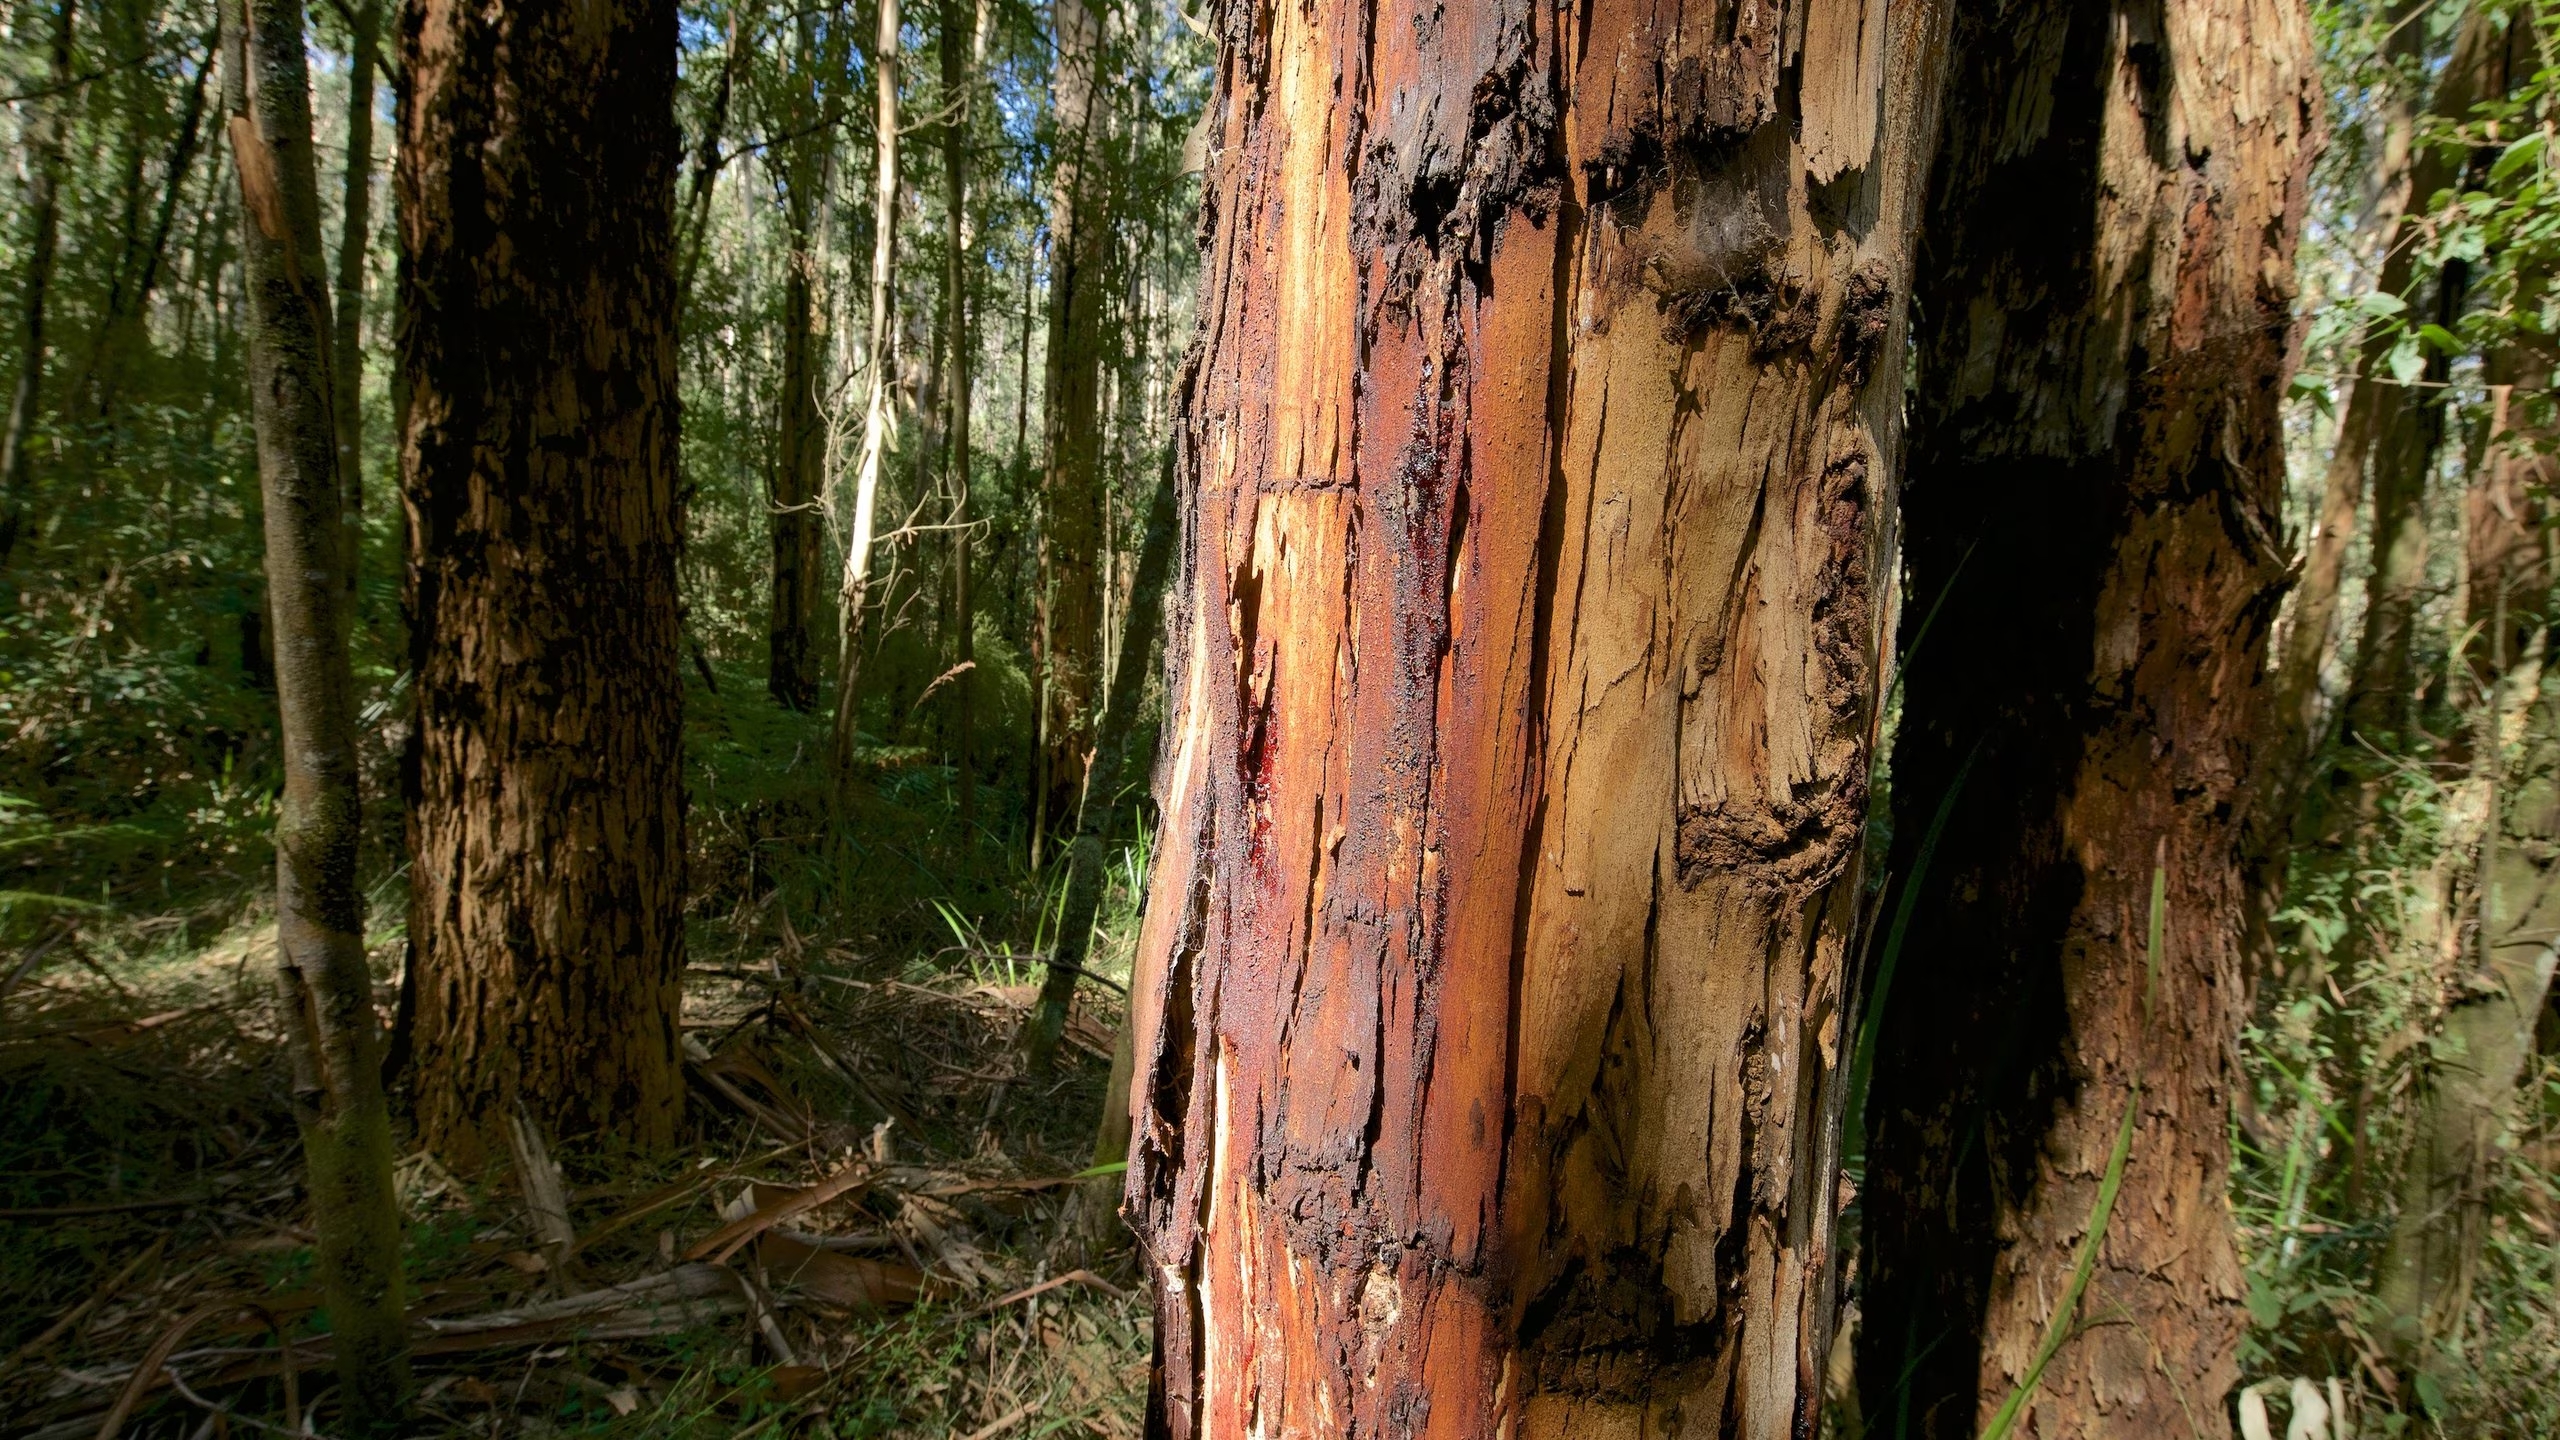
874	1226
941	1284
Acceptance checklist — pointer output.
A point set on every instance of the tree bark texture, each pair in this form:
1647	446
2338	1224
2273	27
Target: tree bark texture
2092	511
324	991
43	131
1538	447
538	333
1072	534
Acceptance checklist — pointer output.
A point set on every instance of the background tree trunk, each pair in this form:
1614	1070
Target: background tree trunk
2299	724
2501	978
1103	811
324	992
1071	526
1493	980
2093	511
799	559
959	75
879	416
539	460
42	134
355	242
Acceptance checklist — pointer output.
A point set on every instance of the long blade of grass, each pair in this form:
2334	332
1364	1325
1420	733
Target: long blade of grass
2059	1328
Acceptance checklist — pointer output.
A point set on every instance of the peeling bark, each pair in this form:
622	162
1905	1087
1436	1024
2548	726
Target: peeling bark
2093	508
1539	442
538	455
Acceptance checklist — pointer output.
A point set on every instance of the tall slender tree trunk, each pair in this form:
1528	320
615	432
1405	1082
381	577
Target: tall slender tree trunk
538	333
1071	525
355	244
324	991
799	562
42	131
2093	515
708	161
791	664
1539	444
2299	721
2406	427
2501	978
879	415
123	330
959	76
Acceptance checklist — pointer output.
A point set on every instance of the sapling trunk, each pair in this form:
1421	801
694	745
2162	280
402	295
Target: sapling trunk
323	988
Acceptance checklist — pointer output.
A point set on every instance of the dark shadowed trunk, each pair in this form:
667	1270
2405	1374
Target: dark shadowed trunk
1491	993
324	993
537	330
2093	511
799	533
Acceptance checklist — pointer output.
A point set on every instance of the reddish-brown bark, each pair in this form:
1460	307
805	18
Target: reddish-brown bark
537	331
2092	512
1490	1011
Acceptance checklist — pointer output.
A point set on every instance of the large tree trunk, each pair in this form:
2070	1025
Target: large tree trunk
1491	997
42	133
879	416
2093	508
324	991
355	244
537	163
1071	528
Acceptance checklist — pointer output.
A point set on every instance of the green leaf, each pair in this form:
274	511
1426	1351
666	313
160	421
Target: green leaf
2442	339
2404	362
2265	1307
2517	156
2376	304
2305	387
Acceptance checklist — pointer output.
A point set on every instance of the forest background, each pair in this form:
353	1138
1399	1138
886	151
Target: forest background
865	928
